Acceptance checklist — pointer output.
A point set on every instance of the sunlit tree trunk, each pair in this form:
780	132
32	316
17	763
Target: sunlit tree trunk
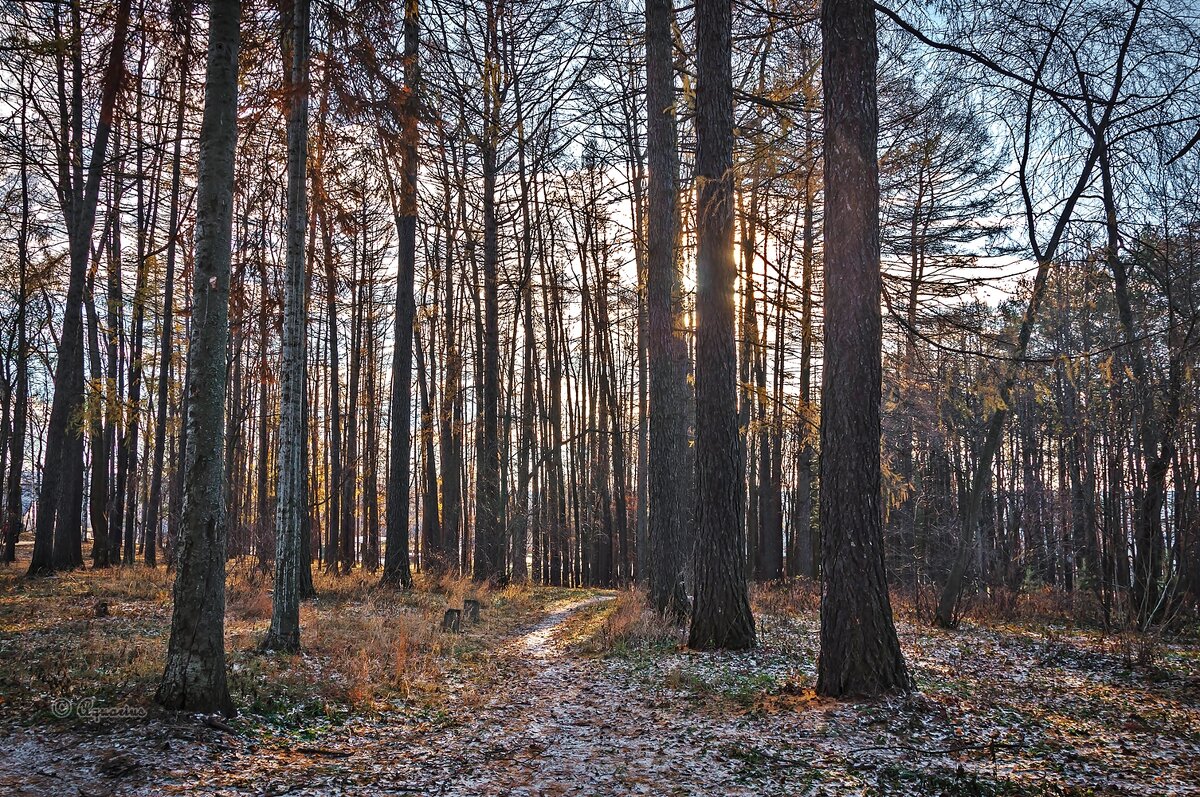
721	616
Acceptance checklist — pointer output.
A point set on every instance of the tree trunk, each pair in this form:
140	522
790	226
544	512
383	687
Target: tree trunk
721	617
194	677
98	424
860	654
669	477
349	486
291	503
433	551
396	569
450	426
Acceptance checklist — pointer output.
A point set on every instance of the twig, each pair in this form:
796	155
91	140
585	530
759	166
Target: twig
992	746
219	724
324	751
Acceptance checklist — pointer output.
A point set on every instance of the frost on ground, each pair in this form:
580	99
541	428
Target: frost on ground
997	711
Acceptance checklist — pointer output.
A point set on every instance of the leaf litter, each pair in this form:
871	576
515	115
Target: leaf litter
997	710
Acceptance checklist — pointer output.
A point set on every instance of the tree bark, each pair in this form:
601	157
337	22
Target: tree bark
860	653
291	503
194	676
668	460
721	617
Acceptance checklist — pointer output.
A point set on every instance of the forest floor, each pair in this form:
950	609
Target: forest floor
571	692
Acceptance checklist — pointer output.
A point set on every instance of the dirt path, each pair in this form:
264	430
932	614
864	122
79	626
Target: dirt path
554	723
548	721
568	724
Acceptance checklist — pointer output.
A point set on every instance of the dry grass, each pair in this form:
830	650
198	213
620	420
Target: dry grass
625	625
1035	605
364	646
792	597
992	606
374	652
246	594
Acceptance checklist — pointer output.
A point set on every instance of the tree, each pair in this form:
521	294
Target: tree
396	566
721	617
194	676
489	506
667	355
292	503
860	654
57	533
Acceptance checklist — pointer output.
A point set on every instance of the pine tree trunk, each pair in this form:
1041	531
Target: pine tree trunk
721	617
450	426
349	486
291	503
434	553
98	428
669	477
194	676
334	482
396	568
860	653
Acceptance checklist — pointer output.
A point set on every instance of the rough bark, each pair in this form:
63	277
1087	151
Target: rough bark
721	616
194	676
860	653
291	504
669	478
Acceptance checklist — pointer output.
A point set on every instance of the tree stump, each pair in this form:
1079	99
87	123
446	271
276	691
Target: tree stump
471	609
452	621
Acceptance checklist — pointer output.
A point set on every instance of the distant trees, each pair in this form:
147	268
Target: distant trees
58	534
14	499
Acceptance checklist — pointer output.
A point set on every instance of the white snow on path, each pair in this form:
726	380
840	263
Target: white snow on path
546	720
537	642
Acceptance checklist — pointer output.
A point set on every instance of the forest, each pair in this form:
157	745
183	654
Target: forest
473	397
